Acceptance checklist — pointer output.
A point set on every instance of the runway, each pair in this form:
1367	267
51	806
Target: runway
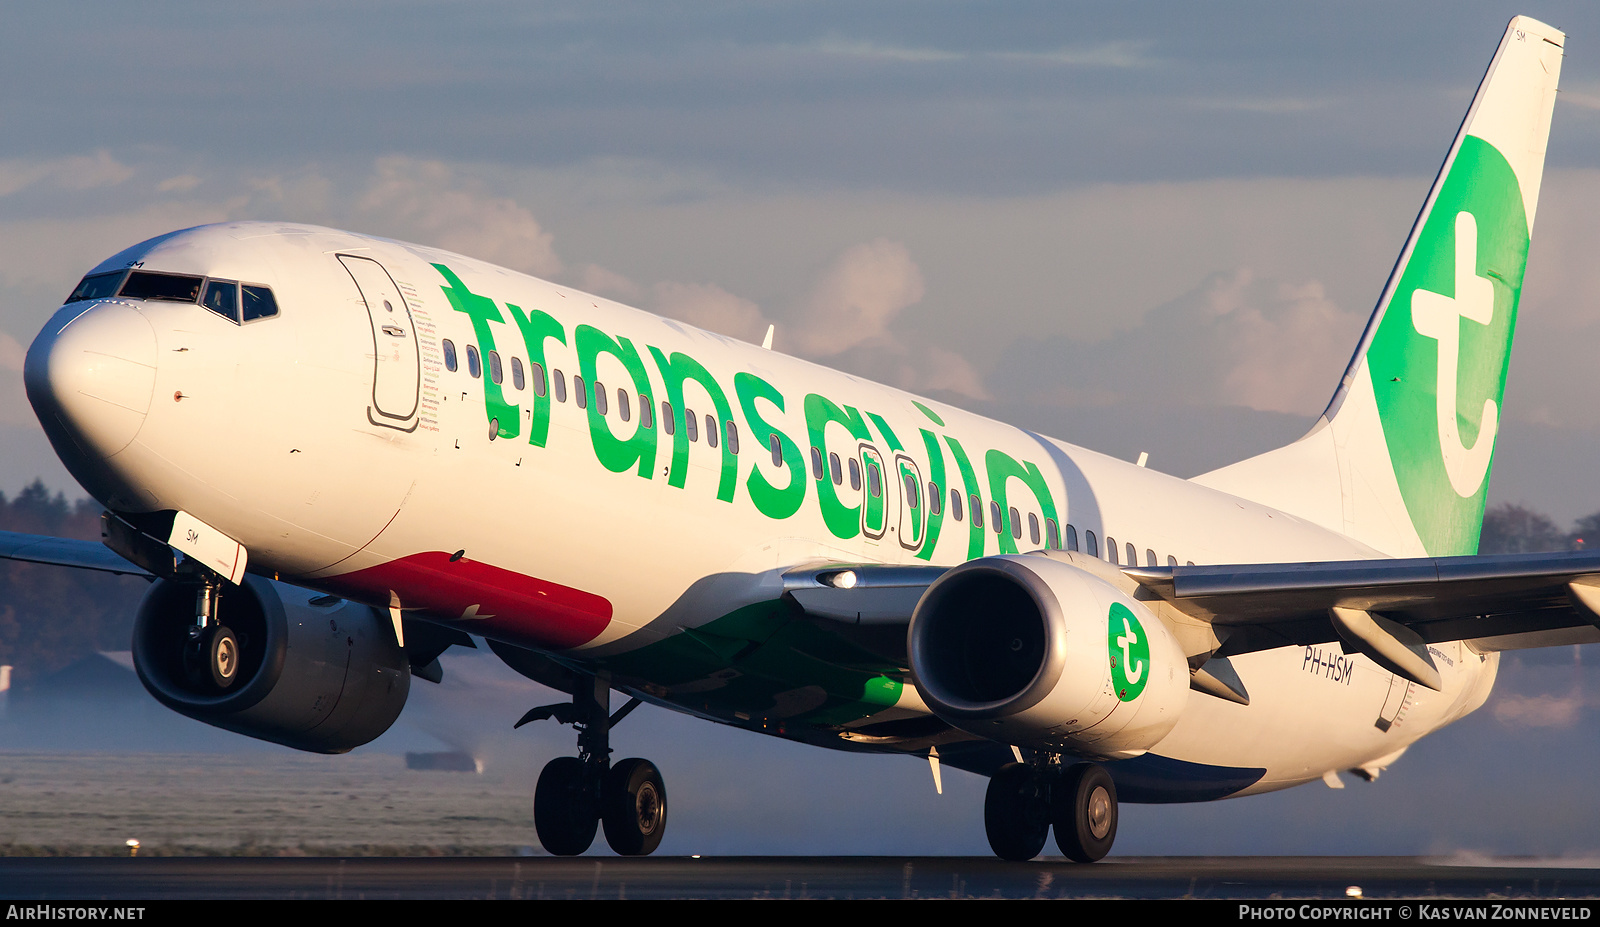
610	878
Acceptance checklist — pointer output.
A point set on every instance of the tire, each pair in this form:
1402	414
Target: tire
1086	813
634	807
222	657
565	812
1016	812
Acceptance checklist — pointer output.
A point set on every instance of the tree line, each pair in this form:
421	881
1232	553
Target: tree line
51	616
1514	529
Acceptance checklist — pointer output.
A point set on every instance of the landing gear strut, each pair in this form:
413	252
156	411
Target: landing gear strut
576	794
1025	800
212	654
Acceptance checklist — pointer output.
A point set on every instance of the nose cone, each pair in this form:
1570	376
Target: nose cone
89	376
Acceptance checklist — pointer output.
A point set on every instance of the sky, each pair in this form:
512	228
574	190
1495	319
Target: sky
1137	226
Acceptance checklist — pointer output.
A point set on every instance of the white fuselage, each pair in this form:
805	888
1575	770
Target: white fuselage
295	436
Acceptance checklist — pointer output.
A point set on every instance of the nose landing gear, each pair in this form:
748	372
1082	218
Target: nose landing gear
1025	801
575	795
211	655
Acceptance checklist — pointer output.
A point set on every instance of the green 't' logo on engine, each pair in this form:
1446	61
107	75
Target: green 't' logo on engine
1129	650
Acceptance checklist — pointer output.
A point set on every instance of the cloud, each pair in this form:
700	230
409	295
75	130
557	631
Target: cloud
863	290
14	407
1238	339
75	172
874	50
425	201
846	318
708	306
593	278
1539	710
182	183
1113	54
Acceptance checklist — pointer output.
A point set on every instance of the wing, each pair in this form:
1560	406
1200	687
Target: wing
67	552
1388	609
1502	602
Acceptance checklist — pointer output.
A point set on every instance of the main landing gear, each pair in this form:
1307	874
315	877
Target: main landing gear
576	795
1026	800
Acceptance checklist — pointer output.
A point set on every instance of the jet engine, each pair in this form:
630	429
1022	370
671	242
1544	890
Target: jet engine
309	671
1036	651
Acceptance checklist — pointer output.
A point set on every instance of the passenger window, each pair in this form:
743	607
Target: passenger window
1171	560
539	387
733	437
669	423
1016	525
1191	563
1133	555
1149	557
994	517
837	471
497	372
600	404
955	505
1052	534
1033	528
580	392
517	379
644	411
935	499
1072	538
1091	546
559	381
911	492
777	450
258	303
874	479
450	355
622	404
855	474
711	431
223	299
977	510
816	464
691	425
474	363
1111	549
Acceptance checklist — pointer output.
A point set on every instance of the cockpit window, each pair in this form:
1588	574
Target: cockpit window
181	288
258	303
222	297
97	286
235	302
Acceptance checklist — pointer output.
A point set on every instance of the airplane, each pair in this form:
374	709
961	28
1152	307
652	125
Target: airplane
337	455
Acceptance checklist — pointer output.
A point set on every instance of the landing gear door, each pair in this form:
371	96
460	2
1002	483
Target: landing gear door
397	367
912	504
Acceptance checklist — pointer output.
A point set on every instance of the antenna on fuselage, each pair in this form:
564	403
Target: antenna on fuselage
767	341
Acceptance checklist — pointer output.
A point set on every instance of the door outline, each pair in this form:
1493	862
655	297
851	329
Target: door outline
912	516
385	330
873	508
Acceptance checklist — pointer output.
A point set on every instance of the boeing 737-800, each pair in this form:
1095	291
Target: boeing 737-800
338	455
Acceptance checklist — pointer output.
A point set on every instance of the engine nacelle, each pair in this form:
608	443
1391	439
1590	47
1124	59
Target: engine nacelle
1034	651
316	673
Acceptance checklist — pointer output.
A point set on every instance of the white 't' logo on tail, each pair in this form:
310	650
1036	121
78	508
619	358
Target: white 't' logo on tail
1439	317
